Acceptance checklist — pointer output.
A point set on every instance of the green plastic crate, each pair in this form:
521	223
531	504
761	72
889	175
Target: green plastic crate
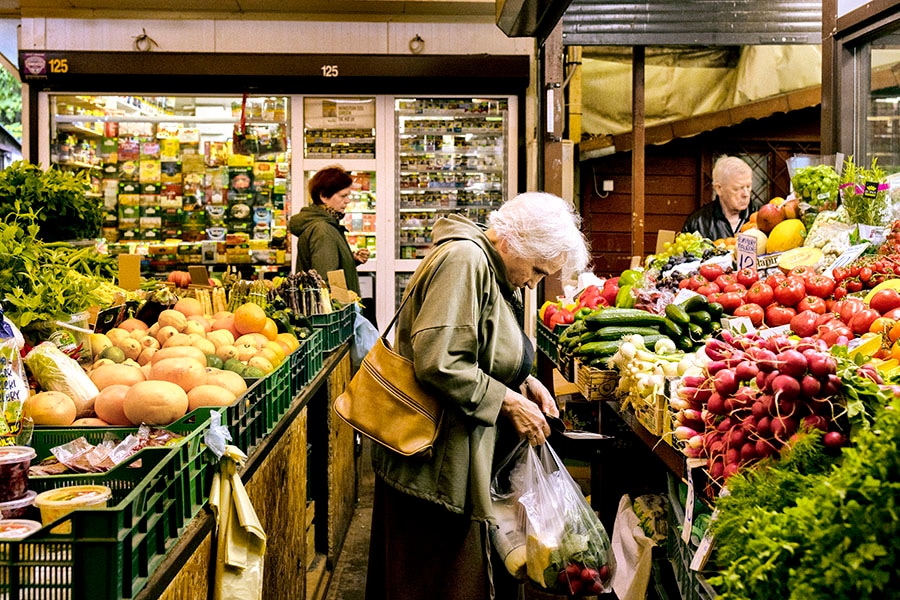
111	552
277	389
336	326
247	418
315	358
298	361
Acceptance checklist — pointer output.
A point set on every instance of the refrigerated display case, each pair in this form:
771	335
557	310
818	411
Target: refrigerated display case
183	179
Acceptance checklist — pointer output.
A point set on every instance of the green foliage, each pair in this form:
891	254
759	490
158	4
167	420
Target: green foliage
10	103
45	282
862	207
57	198
797	529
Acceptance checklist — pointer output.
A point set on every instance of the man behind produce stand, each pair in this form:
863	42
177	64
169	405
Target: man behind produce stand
732	182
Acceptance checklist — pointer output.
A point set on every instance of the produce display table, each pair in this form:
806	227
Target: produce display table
275	476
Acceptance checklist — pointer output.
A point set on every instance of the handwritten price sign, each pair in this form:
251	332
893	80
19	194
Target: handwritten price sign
746	252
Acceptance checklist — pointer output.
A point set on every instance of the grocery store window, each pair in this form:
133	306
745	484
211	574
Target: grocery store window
882	139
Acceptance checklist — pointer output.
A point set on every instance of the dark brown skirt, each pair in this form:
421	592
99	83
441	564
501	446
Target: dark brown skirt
421	551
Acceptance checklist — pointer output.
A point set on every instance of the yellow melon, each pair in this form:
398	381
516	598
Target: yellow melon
226	379
108	405
50	408
787	235
186	373
210	395
155	403
113	374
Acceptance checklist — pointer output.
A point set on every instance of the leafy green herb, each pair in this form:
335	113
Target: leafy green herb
46	282
58	199
867	207
800	528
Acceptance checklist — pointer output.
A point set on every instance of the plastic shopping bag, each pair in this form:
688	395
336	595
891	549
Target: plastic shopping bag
566	548
364	337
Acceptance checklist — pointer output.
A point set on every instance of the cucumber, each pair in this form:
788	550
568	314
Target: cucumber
684	342
622	317
677	314
695	303
671	328
590	336
716	310
695	332
598	349
616	333
701	318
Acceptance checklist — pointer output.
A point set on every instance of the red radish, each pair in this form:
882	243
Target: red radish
725	425
765	360
783	427
778	343
786	408
748	452
746	371
822	365
786	387
732	456
834	439
684	433
693	381
791	362
810	386
815	422
758	409
761	379
726	383
763	448
738	437
714	366
770	379
764	427
716	469
716	404
730	469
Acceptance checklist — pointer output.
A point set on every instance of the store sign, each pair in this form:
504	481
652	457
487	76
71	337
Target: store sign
35	64
344	113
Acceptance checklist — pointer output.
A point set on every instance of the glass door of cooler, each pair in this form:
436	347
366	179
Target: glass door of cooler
184	179
452	155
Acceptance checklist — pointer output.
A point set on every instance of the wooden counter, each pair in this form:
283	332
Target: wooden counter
301	481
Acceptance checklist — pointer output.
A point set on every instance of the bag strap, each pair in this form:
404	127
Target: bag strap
409	289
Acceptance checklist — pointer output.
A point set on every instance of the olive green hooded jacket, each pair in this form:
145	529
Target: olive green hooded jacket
321	244
461	331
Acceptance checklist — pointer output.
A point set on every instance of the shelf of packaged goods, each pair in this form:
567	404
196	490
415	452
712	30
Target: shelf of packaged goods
447	208
452	151
407	132
72	119
465	170
365	233
75	128
75	164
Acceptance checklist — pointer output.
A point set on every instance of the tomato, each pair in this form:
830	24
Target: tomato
839	274
819	285
775	278
711	271
883	325
828	320
735	287
894	313
707	289
730	301
695	281
853	284
804	323
776	315
885	300
831	337
724	280
853	271
761	293
849	309
862	321
714	297
812	303
790	291
754	312
865	274
802	272
840	291
747	277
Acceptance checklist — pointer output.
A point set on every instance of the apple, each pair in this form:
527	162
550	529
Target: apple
768	217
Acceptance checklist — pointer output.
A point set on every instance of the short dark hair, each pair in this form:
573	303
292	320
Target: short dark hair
328	182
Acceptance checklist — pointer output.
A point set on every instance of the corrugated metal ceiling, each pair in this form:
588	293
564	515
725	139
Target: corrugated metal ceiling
692	22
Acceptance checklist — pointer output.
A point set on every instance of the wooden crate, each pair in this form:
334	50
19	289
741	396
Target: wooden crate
596	384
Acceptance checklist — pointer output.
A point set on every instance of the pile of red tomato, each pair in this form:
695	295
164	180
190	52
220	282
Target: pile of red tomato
811	304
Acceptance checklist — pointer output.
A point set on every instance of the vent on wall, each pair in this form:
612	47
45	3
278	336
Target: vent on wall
692	22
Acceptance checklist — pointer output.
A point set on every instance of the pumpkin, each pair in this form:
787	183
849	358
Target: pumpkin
186	373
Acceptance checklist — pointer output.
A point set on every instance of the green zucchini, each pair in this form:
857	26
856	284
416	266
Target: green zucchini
622	317
695	303
701	318
617	333
671	328
677	315
597	349
715	310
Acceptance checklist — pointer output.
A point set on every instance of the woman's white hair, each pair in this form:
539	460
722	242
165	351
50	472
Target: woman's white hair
542	226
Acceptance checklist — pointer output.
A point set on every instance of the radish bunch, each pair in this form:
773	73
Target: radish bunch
753	395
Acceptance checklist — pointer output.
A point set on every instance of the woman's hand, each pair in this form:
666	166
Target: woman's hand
526	418
361	256
535	391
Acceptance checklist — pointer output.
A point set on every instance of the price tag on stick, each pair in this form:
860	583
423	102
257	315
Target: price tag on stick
746	252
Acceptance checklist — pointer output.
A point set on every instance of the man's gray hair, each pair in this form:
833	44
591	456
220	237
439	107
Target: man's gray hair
542	226
727	167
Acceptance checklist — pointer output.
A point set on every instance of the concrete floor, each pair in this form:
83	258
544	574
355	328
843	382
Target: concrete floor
348	582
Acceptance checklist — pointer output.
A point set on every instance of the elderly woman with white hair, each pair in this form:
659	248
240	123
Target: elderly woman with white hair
461	328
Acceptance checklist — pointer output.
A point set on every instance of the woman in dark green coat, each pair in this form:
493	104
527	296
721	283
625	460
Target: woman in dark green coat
321	244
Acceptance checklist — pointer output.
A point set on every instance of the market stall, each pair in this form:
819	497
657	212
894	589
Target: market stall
753	400
135	421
